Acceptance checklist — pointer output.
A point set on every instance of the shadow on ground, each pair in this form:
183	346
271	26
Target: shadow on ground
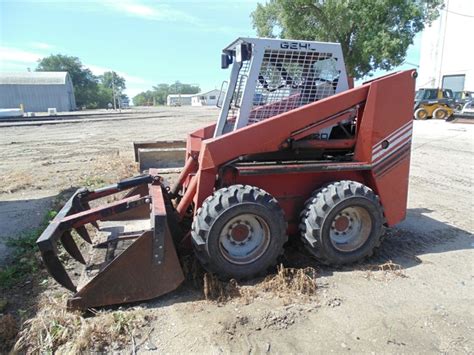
18	216
23	277
403	244
419	234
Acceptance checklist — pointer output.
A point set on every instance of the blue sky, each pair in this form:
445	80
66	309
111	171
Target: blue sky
147	42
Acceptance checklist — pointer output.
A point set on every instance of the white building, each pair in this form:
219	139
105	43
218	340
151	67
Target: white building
447	53
201	99
179	100
206	98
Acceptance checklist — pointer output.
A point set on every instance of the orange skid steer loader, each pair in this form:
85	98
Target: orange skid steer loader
294	152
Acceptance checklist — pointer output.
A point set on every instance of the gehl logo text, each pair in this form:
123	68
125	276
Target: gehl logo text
297	46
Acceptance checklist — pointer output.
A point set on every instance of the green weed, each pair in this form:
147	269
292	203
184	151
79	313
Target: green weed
24	259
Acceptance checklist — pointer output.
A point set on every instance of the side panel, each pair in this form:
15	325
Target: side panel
383	139
387	125
293	189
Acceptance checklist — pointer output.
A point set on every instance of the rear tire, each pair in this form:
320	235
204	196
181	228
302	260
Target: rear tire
342	223
421	114
239	232
440	113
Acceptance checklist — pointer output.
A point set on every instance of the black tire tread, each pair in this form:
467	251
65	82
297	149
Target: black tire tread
218	202
323	200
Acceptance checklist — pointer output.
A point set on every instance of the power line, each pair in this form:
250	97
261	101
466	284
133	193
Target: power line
458	13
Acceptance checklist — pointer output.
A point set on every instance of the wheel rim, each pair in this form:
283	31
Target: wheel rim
440	114
350	229
244	239
422	115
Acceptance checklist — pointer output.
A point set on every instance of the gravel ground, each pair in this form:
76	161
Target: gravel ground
421	302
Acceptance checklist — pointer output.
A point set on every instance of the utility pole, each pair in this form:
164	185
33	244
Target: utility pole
113	89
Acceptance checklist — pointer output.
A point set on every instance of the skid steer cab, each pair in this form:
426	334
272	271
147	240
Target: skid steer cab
433	103
294	153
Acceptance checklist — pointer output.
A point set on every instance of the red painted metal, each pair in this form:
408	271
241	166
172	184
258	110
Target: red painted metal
187	198
99	213
149	266
190	166
292	189
384	106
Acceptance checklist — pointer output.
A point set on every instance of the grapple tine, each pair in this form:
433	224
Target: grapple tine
71	247
56	269
149	267
82	231
146	265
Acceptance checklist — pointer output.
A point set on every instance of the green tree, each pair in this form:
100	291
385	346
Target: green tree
118	81
374	34
143	99
103	97
84	82
110	80
161	91
185	89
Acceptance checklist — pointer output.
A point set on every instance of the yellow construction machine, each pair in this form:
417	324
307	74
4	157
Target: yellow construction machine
433	103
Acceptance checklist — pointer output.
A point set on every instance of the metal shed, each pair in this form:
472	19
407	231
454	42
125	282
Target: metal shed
37	91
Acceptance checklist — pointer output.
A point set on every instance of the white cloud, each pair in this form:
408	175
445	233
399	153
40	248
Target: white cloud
41	45
132	92
8	54
130	79
155	11
135	84
137	9
14	59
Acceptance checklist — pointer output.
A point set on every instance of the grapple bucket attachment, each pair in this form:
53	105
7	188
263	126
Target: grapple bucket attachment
135	260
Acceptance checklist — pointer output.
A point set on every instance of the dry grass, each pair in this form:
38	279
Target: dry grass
287	282
216	290
291	281
384	272
54	328
15	181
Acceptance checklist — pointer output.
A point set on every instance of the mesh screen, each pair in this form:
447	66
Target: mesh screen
287	80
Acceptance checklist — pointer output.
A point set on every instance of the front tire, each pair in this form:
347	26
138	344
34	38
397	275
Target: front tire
342	223
239	232
421	114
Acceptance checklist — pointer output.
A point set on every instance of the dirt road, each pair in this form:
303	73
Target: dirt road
416	295
39	161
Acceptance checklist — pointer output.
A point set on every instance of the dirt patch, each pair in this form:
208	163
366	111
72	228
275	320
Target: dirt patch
428	311
8	331
16	181
384	272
